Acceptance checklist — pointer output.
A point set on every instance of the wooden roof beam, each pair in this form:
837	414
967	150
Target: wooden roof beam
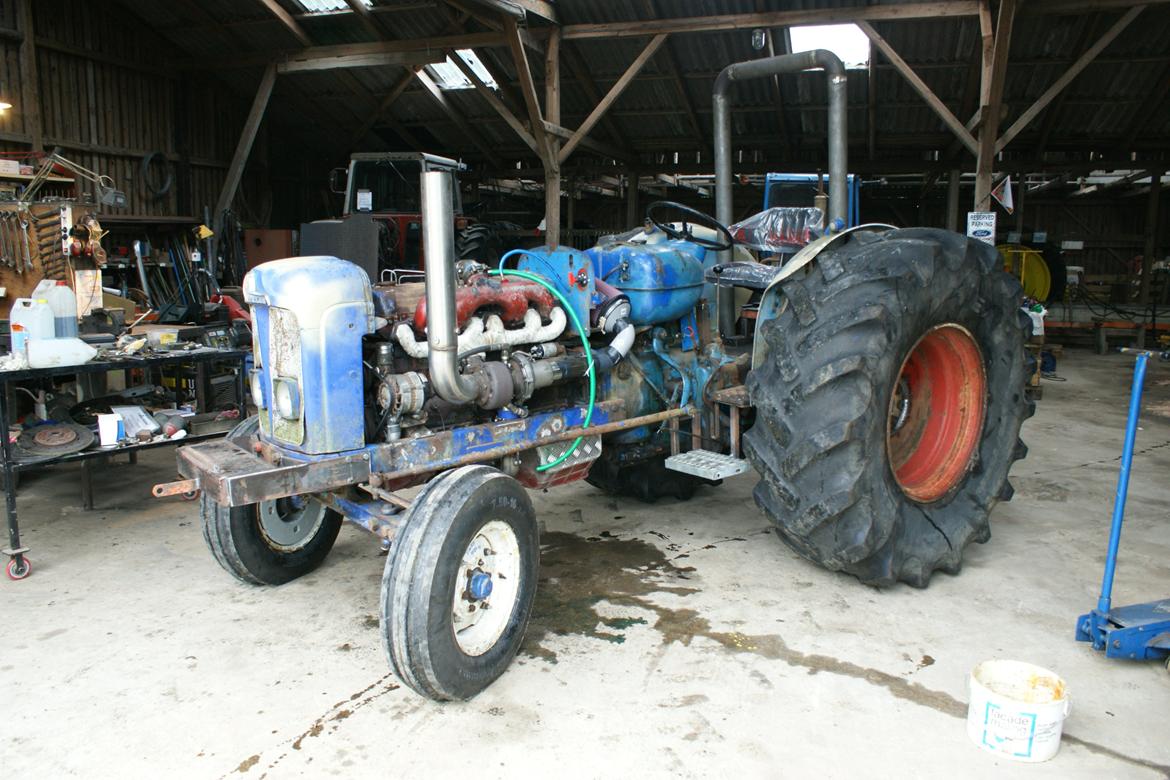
366	17
292	25
614	93
1066	78
920	86
454	114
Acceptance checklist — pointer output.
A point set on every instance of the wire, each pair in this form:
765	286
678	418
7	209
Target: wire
501	271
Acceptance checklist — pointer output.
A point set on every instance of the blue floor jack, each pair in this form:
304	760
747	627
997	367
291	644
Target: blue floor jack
1141	631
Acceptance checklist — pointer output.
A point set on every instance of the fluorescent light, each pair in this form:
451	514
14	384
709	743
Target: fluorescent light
448	75
847	41
328	6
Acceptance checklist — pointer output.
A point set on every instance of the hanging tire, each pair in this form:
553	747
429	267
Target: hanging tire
459	582
272	542
889	404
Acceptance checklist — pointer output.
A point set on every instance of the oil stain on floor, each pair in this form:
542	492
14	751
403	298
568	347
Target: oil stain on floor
578	573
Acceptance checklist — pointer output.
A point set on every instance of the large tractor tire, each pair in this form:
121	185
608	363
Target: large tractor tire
480	242
889	404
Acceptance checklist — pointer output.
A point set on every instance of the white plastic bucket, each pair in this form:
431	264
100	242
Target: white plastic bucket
1017	710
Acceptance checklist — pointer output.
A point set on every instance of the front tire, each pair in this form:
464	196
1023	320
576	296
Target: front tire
459	583
889	404
272	542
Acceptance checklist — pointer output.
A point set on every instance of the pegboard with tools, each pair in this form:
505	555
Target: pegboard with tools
46	241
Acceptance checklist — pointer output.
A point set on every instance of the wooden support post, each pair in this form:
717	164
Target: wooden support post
953	182
571	210
552	113
552	78
244	145
632	219
992	90
552	205
30	94
1151	245
527	88
1018	202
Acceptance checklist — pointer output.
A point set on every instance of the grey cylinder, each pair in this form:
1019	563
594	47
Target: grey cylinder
438	228
838	143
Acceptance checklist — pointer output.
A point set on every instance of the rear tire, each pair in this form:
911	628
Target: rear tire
835	480
272	542
470	528
478	242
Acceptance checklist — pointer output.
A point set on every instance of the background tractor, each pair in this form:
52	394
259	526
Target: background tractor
381	220
874	380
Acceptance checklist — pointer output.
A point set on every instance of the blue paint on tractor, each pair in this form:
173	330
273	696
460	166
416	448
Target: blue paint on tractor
663	280
310	315
480	586
569	270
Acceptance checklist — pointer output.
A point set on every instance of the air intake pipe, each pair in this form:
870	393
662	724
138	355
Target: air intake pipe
438	229
838	141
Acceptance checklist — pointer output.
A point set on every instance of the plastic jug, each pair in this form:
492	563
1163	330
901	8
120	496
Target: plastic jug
64	305
35	318
50	353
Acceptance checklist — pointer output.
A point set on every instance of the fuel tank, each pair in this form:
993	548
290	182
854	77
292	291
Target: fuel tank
663	280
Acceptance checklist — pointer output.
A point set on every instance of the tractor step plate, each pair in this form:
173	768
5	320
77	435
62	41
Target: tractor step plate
706	464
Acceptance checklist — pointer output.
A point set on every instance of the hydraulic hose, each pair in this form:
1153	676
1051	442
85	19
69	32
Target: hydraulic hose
501	271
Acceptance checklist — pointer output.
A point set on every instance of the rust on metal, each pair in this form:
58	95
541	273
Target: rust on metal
178	488
510	298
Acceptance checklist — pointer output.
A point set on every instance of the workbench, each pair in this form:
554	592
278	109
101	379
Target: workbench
18	565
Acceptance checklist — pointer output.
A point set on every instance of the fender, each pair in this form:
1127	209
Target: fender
772	301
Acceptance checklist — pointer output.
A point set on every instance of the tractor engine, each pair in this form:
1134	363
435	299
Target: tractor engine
341	364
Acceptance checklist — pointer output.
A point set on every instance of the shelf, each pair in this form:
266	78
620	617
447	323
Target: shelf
145	219
29	177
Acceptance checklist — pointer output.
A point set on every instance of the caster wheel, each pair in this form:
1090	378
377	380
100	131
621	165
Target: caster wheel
191	495
18	568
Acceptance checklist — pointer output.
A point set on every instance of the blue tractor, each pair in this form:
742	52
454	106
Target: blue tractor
878	394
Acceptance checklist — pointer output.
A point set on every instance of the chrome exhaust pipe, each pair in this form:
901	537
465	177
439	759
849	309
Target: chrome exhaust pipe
438	238
838	143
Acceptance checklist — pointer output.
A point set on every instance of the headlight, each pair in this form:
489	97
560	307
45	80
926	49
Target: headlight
256	380
286	398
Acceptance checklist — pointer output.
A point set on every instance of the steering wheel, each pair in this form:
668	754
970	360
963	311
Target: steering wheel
698	217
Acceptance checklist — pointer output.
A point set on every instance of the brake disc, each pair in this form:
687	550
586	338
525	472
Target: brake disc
51	441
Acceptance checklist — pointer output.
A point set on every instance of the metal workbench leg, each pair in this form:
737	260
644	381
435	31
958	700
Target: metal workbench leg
18	565
87	483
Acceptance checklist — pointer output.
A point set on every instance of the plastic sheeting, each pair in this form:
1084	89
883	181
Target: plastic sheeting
780	229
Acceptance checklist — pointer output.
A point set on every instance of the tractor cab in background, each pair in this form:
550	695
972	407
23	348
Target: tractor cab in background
380	224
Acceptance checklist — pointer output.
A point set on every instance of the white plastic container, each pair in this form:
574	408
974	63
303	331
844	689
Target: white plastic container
63	302
1017	710
50	353
36	321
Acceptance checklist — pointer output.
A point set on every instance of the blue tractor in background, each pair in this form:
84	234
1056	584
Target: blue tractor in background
874	379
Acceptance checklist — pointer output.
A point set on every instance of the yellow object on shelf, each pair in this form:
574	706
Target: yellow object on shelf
1029	267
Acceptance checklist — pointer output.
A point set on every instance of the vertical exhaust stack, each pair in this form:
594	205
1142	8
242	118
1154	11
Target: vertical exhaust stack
838	140
438	226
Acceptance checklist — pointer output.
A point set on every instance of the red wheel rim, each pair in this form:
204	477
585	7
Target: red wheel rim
937	406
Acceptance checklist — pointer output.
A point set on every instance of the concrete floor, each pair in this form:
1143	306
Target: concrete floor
712	648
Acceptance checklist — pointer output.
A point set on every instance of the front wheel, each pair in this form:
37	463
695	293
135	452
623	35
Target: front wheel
459	583
272	542
889	403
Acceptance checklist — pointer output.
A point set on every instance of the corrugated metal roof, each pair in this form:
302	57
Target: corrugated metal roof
1104	104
